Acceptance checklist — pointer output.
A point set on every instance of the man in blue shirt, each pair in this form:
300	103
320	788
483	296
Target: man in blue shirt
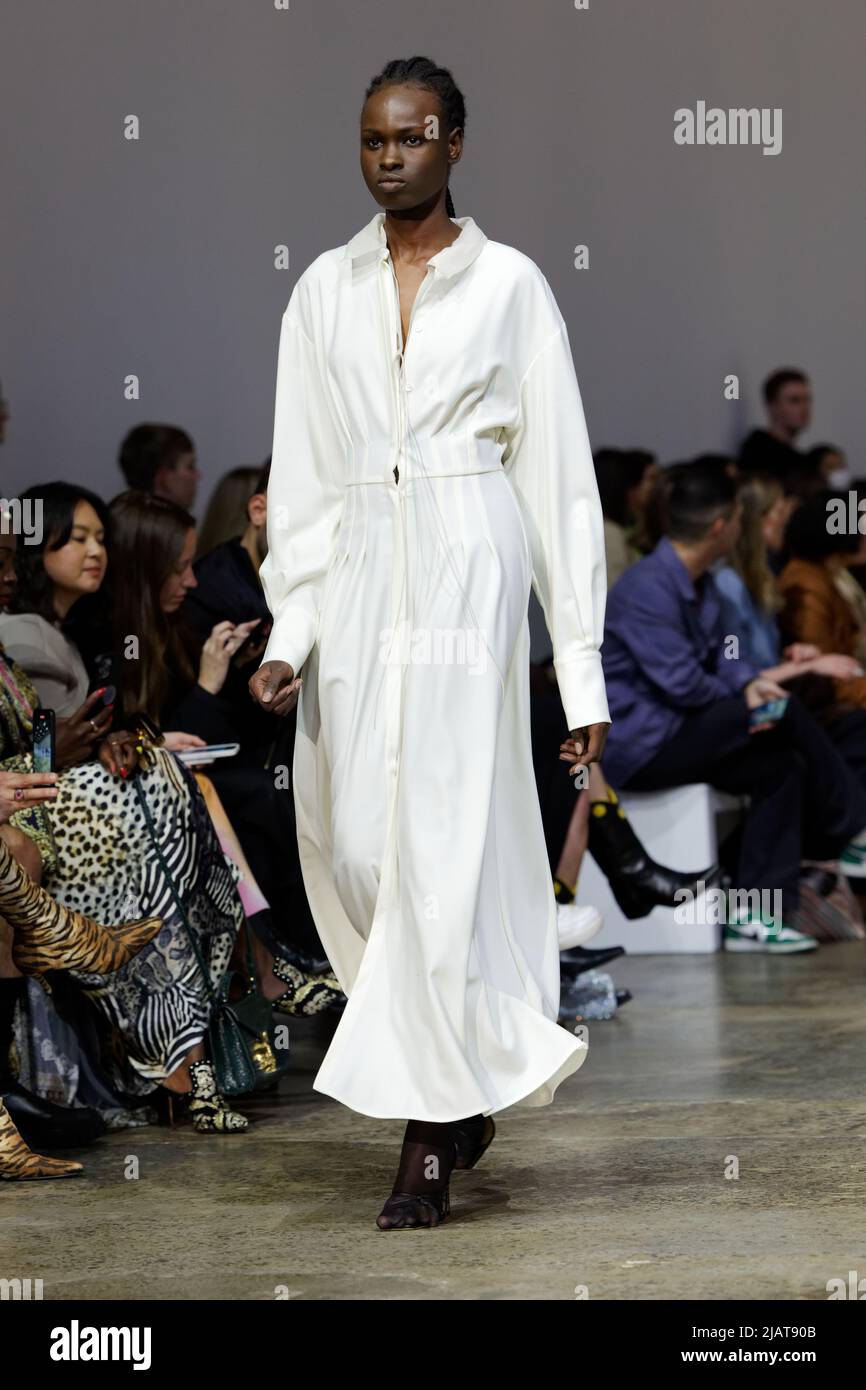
680	701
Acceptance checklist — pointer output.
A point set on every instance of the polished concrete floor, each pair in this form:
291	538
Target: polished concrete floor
619	1188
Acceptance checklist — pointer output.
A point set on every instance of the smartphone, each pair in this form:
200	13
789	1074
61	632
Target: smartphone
770	713
191	756
256	637
44	740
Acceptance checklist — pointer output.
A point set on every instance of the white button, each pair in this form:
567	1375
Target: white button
408	387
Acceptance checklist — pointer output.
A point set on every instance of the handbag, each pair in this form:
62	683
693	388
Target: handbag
231	1041
255	1014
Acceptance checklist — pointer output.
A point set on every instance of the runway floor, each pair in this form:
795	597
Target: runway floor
618	1188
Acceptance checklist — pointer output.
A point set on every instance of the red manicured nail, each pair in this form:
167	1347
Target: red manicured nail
123	772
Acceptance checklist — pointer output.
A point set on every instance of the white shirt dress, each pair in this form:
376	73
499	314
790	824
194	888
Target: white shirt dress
401	599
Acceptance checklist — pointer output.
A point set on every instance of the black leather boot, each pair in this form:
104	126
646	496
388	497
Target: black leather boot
579	958
41	1123
636	881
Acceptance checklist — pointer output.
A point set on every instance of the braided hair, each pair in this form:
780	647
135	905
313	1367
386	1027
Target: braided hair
423	72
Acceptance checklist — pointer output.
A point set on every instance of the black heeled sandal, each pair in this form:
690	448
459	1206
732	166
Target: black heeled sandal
423	1142
472	1140
398	1203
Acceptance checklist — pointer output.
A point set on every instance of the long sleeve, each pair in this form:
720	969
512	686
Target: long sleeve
52	663
197	711
549	462
304	496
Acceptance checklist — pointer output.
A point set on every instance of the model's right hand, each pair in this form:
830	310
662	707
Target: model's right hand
275	687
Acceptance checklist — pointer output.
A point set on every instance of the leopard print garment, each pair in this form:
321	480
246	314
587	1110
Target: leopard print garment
157	1005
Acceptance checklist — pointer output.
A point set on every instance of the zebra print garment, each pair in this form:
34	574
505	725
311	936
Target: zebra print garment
106	867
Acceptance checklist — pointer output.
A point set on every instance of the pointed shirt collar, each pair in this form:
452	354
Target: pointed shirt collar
371	241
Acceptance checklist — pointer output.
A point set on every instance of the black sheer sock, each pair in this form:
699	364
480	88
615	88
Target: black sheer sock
420	1193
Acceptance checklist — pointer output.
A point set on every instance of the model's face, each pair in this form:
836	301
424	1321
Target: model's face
792	408
8	578
403	140
180	482
78	567
181	579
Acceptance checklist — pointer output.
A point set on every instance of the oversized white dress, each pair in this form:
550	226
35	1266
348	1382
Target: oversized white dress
402	602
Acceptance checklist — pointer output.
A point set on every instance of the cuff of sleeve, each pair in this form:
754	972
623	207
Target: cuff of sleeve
292	637
581	689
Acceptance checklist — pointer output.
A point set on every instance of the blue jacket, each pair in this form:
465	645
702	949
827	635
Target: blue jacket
664	658
758	632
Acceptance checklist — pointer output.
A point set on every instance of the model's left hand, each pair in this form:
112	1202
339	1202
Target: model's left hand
583	746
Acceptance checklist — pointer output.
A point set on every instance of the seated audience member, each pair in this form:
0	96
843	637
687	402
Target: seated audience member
227	574
788	400
160	1010
681	713
749	592
161	459
625	478
822	605
227	514
228	588
201	689
41	937
751	603
830	464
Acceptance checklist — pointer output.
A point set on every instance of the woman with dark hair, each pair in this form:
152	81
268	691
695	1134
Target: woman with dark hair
96	851
625	481
430	462
226	514
179	683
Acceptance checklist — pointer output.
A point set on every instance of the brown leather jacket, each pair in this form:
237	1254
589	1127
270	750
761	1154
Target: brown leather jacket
814	611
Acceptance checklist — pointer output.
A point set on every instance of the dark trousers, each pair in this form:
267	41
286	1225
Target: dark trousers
263	818
848	733
556	793
806	802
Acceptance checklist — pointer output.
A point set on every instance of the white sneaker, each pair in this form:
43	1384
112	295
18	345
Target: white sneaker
576	925
774	938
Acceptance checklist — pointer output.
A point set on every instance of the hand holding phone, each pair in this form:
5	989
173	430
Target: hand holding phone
44	740
766	715
19	790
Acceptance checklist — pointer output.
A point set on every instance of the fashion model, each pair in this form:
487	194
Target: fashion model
430	463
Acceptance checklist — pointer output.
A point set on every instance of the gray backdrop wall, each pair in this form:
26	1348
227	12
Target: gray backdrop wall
155	256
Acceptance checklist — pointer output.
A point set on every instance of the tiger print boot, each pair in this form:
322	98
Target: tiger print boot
210	1114
20	1164
48	936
